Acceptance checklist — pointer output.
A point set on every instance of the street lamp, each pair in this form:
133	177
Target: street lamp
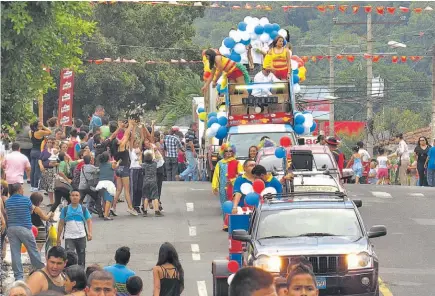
395	44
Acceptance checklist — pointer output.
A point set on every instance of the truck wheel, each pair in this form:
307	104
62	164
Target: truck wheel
220	287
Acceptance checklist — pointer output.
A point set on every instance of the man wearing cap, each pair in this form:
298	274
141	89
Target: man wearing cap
247	177
338	155
171	144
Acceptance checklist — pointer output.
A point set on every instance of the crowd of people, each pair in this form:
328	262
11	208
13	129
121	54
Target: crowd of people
62	275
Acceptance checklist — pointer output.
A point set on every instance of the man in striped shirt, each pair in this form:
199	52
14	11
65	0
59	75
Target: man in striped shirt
19	209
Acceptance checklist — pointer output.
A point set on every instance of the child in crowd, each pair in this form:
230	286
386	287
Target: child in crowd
134	285
357	167
413	174
383	163
38	217
181	160
149	188
372	173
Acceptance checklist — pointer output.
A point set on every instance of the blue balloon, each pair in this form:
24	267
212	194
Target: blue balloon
259	30
295	79
285	42
273	35
200	110
276	27
211	114
212	120
313	127
299	129
299	119
235	57
252	199
242	26
221	132
268	28
222	121
227	207
245	42
280	152
229	42
295	71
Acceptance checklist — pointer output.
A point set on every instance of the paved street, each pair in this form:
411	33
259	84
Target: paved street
192	223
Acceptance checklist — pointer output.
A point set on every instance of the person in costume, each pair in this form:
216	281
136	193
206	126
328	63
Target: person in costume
221	65
225	173
279	59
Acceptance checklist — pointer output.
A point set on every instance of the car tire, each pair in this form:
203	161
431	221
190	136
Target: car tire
220	287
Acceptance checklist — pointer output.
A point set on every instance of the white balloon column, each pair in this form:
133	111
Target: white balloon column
304	123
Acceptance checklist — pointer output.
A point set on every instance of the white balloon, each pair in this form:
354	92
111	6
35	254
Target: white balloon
309	117
253	36
247	19
297	88
268	190
257	109
255	21
230	278
209	133
265	38
307	131
240	48
232	34
250	28
294	64
224	50
237	36
221	114
214	127
282	33
264	21
246	188
307	124
245	36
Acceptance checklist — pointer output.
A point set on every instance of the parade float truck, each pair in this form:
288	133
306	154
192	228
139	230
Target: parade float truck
252	118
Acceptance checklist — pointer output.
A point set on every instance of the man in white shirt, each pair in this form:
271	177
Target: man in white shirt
403	153
15	164
264	76
254	55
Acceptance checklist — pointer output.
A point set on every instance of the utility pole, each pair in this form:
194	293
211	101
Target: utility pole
369	130
331	89
432	124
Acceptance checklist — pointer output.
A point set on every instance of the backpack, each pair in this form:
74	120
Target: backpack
75	179
65	213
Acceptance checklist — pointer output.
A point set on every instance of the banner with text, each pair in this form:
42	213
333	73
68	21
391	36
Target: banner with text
66	92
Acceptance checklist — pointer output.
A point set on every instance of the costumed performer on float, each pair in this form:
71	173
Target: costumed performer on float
278	59
225	174
219	64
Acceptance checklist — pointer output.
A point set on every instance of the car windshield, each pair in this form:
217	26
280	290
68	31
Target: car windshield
316	188
323	161
300	222
244	141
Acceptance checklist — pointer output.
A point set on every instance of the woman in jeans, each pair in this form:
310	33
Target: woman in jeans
421	151
36	134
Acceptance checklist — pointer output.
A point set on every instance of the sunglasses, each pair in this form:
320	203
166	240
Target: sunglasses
228	150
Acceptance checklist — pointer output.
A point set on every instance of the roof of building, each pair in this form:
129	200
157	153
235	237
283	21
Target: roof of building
411	137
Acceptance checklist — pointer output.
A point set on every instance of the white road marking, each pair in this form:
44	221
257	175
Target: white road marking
189	206
425	222
195	252
381	194
197	189
192	230
202	289
416	194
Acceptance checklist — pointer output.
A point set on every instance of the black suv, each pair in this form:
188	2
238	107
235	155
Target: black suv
327	228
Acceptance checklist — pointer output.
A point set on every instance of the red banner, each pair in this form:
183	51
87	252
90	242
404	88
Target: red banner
66	92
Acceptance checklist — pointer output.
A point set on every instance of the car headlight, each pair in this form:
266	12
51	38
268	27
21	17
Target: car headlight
358	261
271	264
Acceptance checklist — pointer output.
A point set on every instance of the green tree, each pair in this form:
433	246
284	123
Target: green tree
37	34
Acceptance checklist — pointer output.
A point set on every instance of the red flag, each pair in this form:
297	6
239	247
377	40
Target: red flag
339	57
321	8
380	10
320	57
403	59
350	58
331	7
391	10
343	8
367	9
418	9
355	9
367	56
395	59
404	9
305	58
313	58
376	58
